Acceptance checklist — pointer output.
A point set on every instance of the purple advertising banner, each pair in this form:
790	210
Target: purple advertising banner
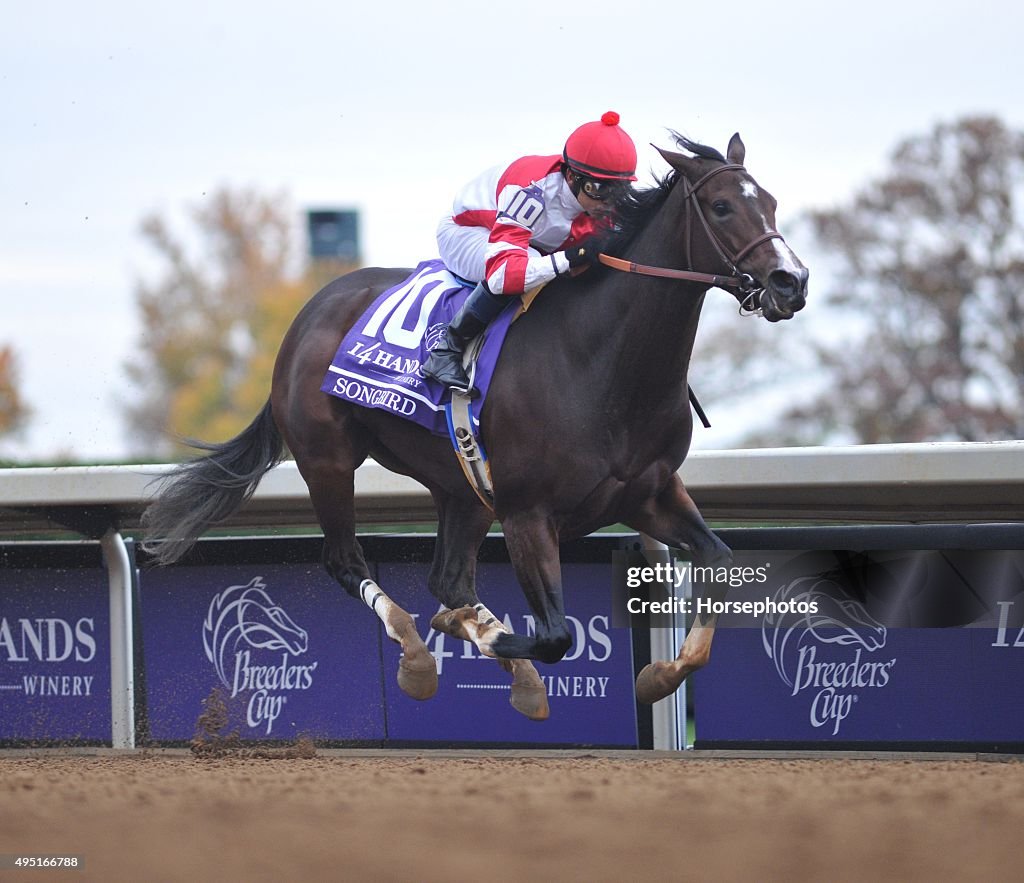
920	685
590	691
54	655
295	656
291	652
837	657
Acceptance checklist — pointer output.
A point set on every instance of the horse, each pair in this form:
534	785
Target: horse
596	369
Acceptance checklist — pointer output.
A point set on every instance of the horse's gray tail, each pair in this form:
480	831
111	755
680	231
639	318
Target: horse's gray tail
203	491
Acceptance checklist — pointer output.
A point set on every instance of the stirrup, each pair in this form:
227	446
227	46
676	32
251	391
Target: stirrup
469	390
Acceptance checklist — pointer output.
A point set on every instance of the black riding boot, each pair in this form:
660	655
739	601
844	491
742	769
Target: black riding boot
445	362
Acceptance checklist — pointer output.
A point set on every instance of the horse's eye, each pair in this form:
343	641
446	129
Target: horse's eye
721	208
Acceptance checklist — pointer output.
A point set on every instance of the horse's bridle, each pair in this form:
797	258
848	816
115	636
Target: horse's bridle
744	283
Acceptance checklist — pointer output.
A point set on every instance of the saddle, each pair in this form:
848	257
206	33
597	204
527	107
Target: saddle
377	364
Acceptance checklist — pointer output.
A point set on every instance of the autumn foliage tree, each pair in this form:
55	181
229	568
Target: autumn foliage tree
925	308
213	320
14	411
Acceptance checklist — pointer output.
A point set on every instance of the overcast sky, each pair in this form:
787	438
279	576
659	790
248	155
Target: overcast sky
114	110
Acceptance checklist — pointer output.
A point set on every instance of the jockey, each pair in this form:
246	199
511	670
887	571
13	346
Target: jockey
516	227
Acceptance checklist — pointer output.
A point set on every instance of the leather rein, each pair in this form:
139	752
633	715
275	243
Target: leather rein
744	283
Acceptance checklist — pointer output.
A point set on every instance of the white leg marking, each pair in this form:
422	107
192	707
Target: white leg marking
490	624
483	630
373	597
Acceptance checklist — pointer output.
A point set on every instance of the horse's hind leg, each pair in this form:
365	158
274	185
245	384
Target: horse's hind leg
331	481
462	527
673	518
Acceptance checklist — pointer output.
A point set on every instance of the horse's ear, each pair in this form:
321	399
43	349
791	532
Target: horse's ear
679	161
736	151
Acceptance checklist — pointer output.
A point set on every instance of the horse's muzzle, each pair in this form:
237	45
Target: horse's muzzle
785	294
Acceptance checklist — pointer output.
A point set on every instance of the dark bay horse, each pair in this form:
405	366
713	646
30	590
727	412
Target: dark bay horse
586	424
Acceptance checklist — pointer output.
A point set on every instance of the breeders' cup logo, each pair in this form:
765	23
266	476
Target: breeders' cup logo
241	621
432	339
843	633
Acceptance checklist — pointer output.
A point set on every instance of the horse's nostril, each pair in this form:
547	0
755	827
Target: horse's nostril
788	285
783	282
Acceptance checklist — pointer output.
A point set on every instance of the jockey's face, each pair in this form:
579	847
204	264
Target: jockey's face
596	196
596	207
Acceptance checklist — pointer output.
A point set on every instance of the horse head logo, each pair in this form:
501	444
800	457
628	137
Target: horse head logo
246	615
432	338
840	621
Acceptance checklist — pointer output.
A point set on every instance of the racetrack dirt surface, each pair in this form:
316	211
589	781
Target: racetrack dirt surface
411	816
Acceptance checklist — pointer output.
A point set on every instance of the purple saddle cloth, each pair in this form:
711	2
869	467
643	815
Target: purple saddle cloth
378	362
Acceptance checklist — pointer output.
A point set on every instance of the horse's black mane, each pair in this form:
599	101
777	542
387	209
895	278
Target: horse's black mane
699	149
638	205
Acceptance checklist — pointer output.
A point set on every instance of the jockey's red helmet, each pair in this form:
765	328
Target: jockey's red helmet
601	149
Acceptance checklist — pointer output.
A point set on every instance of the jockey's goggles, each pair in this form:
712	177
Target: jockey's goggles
602	190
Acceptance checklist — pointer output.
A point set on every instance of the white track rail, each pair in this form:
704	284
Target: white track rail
949	482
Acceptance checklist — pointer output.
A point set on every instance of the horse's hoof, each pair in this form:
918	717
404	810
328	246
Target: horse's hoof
417	683
654	683
531	701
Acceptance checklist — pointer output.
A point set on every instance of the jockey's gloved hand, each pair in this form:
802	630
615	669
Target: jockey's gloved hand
585	254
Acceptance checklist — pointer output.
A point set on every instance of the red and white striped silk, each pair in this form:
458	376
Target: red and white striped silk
531	214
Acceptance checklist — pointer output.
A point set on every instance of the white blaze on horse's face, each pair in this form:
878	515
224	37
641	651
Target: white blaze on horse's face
787	259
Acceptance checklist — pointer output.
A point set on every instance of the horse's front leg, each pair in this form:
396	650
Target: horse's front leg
532	541
673	518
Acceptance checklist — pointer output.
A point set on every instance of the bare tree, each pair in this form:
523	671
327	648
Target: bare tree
927	297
